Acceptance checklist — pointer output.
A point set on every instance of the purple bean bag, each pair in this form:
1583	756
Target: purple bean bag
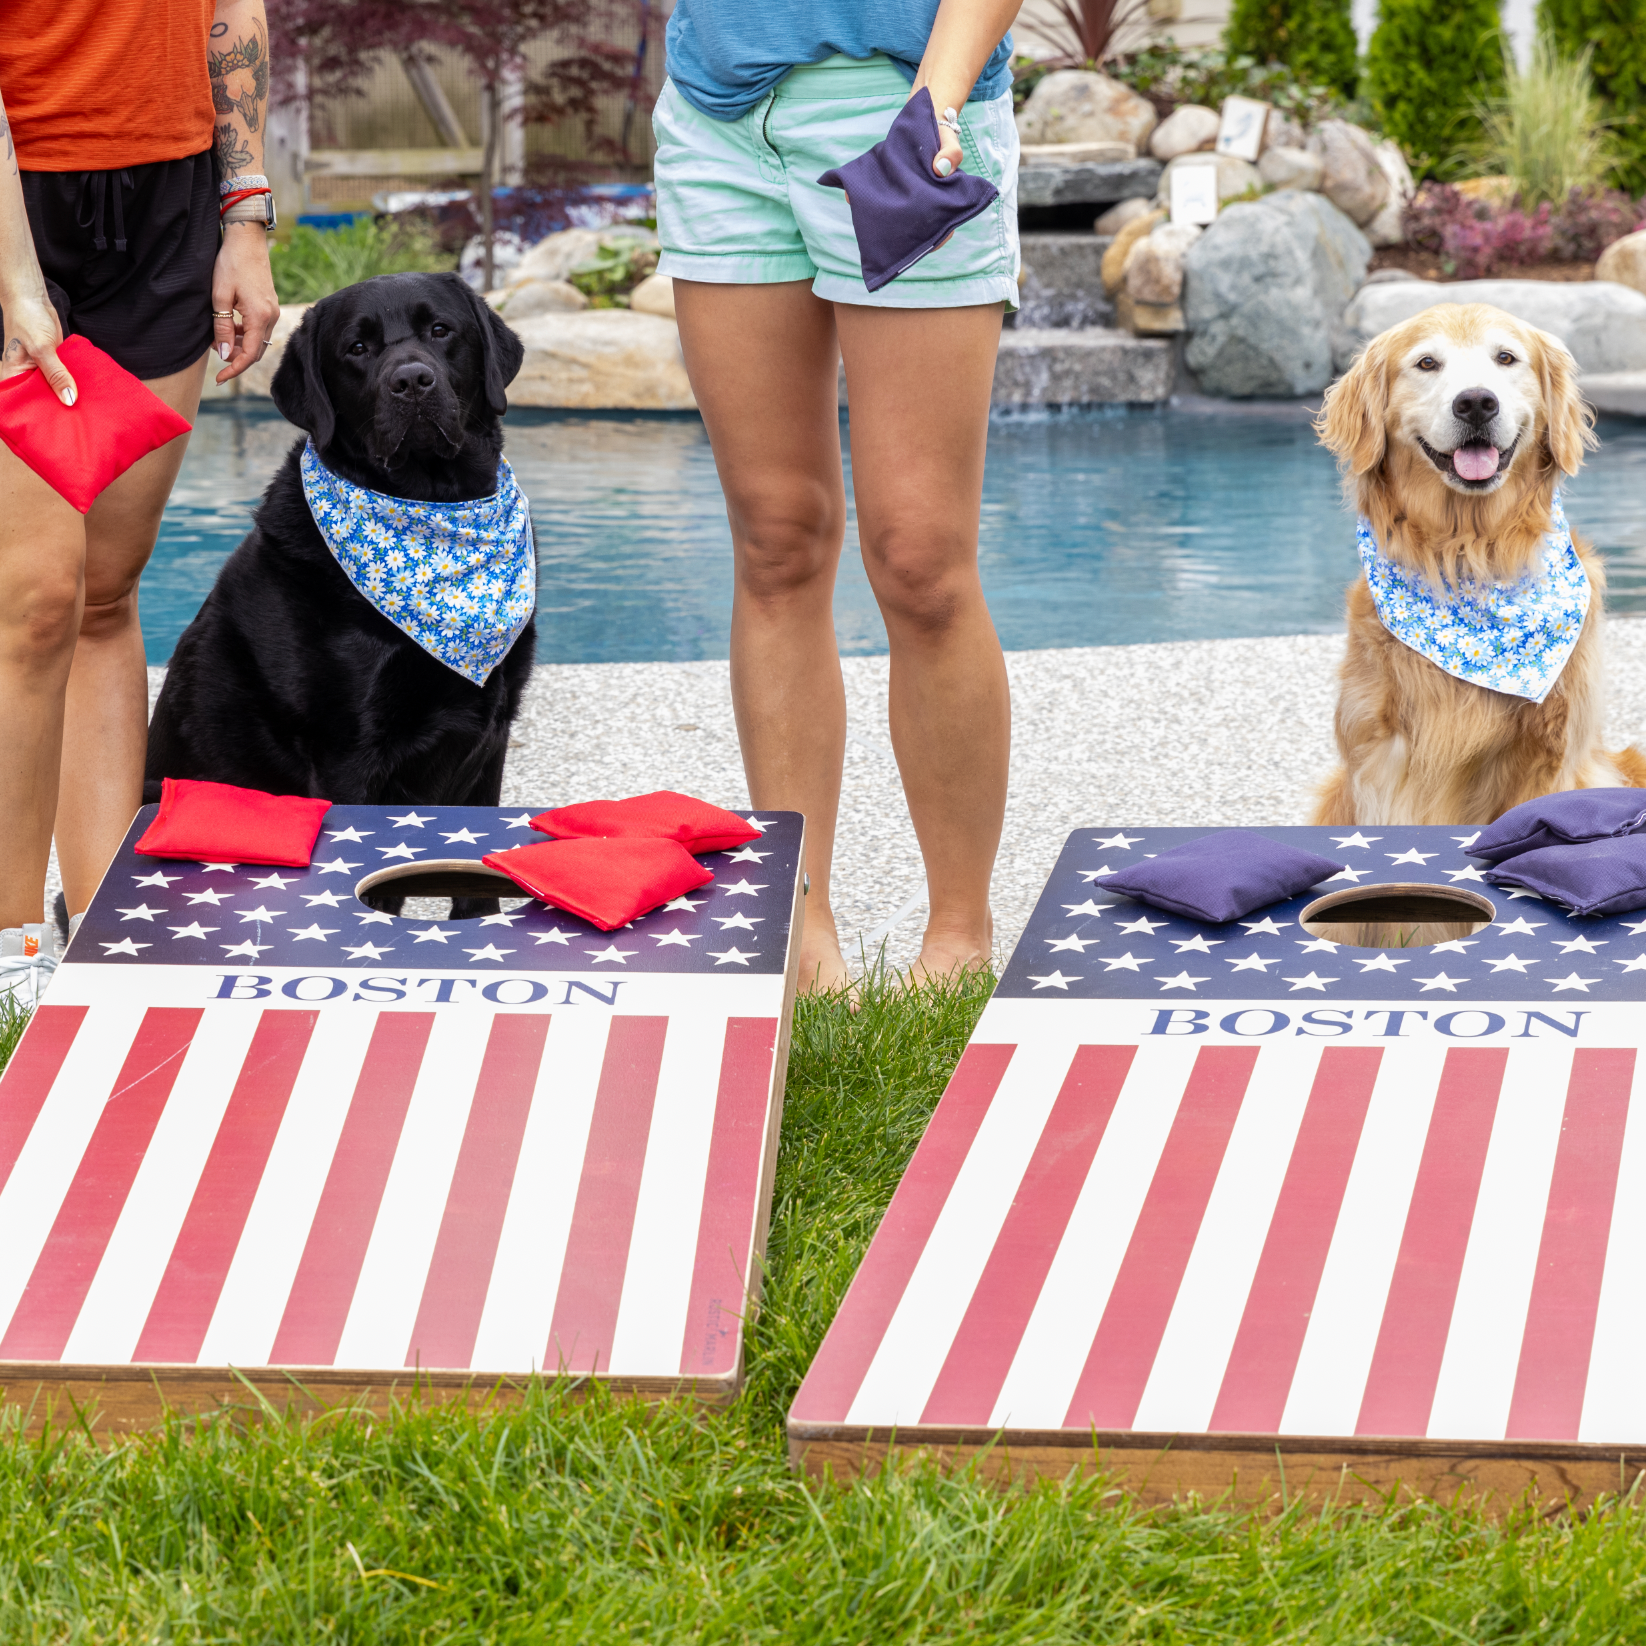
1561	820
1222	876
901	209
1595	877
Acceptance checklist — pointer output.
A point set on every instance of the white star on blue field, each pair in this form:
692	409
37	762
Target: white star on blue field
1084	943
239	915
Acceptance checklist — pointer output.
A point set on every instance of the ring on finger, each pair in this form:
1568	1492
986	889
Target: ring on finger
222	314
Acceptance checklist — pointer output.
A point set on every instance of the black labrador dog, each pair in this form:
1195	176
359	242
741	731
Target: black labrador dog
289	680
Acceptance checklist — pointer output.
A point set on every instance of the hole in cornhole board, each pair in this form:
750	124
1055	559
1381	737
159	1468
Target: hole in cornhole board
1401	916
424	891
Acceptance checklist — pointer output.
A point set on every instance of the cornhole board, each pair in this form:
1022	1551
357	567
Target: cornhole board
1237	1208
262	1136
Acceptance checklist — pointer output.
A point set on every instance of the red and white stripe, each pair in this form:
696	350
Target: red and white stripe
1410	1238
501	1191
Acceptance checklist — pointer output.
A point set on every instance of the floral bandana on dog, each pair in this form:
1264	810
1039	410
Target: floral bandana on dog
459	578
1507	637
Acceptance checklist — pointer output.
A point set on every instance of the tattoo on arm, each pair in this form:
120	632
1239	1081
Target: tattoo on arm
233	151
11	148
240	76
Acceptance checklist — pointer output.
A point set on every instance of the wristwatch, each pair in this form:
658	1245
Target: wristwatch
247	199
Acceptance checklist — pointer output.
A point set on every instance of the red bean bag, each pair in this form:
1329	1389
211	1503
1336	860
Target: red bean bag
218	823
77	450
665	815
605	882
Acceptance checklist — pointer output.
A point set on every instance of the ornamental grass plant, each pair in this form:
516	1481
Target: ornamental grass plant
1548	131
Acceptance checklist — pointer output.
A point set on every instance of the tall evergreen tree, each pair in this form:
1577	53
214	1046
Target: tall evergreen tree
1313	38
1427	68
1614	31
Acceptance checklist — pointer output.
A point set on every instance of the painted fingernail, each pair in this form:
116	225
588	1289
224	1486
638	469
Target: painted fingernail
224	350
943	167
68	397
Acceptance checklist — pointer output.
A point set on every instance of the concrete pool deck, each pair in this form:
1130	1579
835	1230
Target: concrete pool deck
1209	732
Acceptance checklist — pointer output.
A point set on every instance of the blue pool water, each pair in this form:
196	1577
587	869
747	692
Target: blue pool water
1099	528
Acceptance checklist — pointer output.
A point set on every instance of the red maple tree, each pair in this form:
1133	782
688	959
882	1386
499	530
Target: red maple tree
324	49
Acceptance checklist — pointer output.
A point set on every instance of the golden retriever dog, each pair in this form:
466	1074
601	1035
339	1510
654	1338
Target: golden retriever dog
1453	431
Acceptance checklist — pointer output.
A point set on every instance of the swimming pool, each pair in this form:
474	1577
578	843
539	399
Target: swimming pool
1105	527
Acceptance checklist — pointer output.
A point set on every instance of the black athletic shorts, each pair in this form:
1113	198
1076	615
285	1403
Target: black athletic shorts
128	256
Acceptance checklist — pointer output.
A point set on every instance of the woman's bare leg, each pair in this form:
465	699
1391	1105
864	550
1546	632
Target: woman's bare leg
919	382
105	726
763	363
42	547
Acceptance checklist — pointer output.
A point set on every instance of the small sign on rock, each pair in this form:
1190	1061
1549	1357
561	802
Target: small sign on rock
1241	131
1194	194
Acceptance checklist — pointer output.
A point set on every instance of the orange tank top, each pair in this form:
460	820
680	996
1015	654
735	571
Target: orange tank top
119	83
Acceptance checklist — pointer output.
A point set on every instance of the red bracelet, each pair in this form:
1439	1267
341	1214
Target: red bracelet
239	195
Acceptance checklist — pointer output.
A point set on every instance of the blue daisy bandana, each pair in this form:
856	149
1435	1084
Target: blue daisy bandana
1508	637
458	578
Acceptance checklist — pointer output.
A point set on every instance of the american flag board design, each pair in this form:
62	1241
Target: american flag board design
256	1123
1212	1181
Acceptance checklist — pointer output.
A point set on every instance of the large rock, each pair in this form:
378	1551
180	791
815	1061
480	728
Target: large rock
1280	131
1113	268
1154	271
603	359
534	297
1186	130
1235	176
1082	106
1388	227
1264	290
1087	183
1149	319
1625	261
1290	169
1618	394
1601	322
654	295
1352	177
1118	216
1030	155
1080	368
556	256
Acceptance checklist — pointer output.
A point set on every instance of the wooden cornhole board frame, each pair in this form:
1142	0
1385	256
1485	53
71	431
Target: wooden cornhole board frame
1230	1211
262	1141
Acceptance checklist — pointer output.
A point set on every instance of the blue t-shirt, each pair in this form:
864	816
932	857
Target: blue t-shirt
725	55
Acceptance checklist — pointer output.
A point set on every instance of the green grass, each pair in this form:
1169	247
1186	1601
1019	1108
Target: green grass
311	263
602	1520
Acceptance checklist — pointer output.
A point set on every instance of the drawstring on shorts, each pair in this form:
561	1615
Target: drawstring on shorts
96	187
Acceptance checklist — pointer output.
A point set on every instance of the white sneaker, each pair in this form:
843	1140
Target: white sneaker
28	957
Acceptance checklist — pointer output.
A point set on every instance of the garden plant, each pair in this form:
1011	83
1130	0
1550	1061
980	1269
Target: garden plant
1428	69
1315	39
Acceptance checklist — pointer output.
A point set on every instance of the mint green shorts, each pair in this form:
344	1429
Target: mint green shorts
738	201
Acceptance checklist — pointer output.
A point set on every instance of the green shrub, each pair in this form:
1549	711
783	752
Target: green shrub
312	263
1547	131
1429	68
1614	33
1313	38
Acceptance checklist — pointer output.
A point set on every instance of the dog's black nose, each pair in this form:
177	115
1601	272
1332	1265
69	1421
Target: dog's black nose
416	378
1475	406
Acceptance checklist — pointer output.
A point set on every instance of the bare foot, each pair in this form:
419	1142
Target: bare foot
822	966
947	954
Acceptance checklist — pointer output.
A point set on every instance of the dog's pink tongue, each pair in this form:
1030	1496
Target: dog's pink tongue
1475	462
